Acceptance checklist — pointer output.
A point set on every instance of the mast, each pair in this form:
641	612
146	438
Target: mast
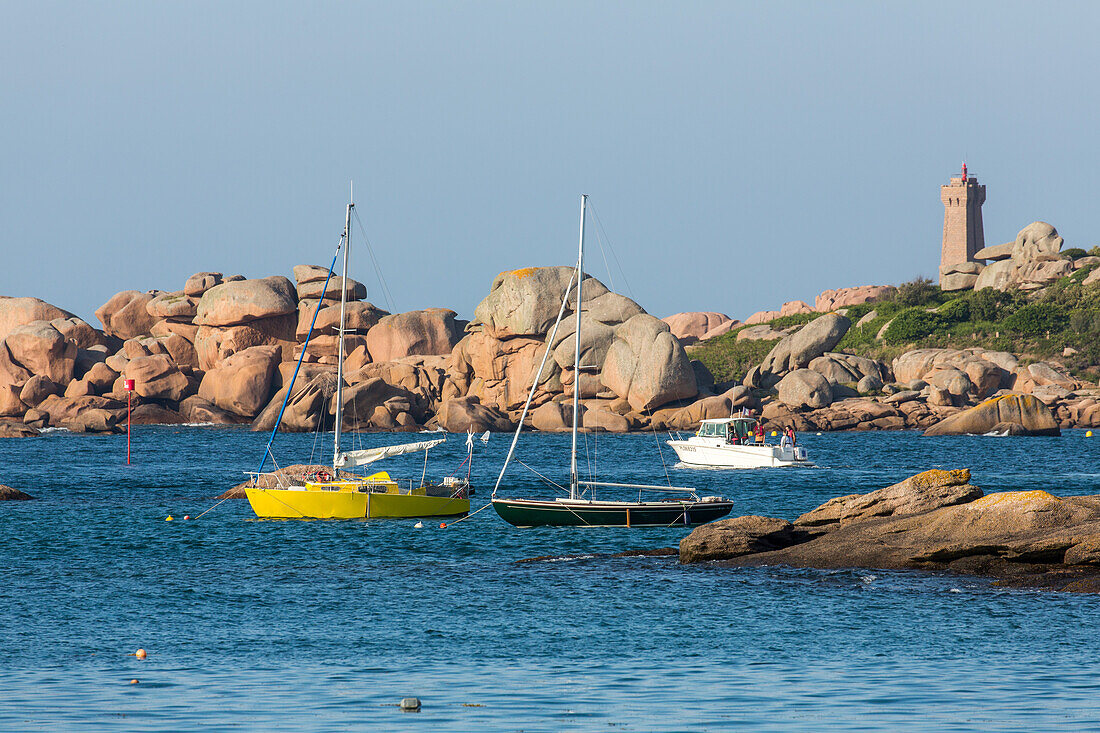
573	486
340	340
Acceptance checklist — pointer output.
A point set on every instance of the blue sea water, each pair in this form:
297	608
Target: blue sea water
326	625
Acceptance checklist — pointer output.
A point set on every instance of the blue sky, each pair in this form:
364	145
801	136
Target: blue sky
739	155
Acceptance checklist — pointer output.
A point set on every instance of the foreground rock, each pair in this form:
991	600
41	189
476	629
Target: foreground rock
7	493
933	521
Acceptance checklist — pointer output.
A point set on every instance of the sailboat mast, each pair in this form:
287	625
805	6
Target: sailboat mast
340	341
573	485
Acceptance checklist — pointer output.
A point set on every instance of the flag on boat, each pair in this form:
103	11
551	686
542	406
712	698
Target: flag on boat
354	458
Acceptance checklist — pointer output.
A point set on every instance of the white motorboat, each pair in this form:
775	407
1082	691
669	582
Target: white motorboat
729	443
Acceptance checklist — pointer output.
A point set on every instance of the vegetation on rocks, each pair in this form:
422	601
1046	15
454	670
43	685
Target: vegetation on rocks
1060	321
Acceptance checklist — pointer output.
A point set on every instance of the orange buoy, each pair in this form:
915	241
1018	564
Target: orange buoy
133	682
443	525
140	654
186	516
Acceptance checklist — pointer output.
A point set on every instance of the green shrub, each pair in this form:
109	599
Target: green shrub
1074	252
913	324
727	358
955	311
1095	252
919	291
1085	322
988	304
855	312
1037	318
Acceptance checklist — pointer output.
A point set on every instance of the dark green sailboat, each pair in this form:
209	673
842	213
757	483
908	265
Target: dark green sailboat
581	508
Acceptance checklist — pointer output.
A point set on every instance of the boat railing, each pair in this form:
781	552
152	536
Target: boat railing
641	487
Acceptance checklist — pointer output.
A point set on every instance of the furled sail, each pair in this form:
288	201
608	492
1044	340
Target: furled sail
354	458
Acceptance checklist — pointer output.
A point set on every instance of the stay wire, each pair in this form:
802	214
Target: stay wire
377	267
614	254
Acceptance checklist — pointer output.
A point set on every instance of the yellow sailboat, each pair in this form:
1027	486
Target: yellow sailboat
342	494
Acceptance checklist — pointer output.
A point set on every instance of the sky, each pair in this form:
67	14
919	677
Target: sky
738	155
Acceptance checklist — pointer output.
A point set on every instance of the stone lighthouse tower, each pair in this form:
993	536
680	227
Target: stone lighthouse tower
963	234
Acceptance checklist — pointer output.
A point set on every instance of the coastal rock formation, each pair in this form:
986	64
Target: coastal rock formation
16	312
646	365
526	302
729	538
698	326
42	350
831	300
797	350
804	388
790	308
1024	410
463	414
915	495
11	429
7	493
200	282
431	332
242	383
244	301
1033	260
126	314
157	377
933	521
359	317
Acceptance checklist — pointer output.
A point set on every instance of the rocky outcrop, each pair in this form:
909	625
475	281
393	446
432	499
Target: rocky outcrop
915	495
244	301
15	312
526	302
126	315
804	388
1032	261
932	521
790	308
464	414
831	300
425	332
729	538
698	326
646	365
158	377
42	350
242	383
1019	409
7	493
797	350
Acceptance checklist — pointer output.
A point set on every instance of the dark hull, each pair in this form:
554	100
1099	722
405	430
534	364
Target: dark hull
549	513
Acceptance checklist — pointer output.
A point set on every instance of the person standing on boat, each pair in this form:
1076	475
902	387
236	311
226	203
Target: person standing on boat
785	441
790	432
758	432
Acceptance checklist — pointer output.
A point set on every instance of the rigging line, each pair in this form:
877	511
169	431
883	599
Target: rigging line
538	376
377	267
610	276
549	481
463	519
301	357
614	254
660	452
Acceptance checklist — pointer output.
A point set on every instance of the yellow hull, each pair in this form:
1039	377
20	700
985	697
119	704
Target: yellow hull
373	498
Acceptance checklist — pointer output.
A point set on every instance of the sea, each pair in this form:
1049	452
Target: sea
302	625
